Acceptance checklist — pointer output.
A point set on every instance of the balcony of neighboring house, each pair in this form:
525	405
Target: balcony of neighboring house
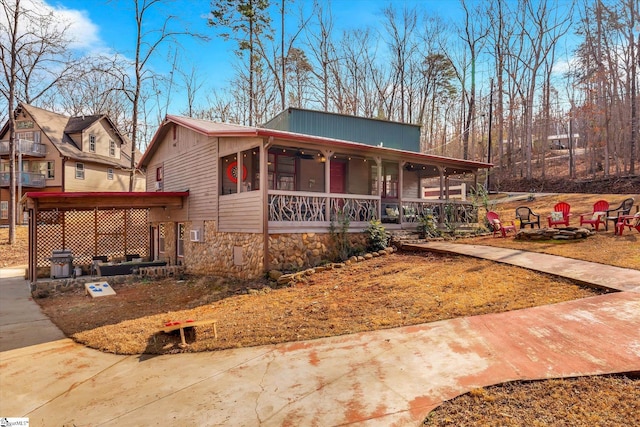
27	179
25	147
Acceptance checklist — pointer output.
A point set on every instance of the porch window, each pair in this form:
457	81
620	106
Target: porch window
92	143
4	209
79	170
282	170
161	238
251	163
180	241
230	173
389	180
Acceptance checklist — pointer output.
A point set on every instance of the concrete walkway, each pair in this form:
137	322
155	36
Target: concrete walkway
606	276
392	377
21	322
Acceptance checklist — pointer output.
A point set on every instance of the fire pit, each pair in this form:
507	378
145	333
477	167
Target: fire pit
566	233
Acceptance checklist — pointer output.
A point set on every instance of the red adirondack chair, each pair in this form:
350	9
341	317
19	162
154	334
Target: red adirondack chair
631	221
560	214
498	227
598	216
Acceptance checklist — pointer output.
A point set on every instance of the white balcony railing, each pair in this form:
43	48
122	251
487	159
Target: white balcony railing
26	147
27	179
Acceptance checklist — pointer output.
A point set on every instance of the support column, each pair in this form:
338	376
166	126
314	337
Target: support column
401	165
264	186
378	161
327	182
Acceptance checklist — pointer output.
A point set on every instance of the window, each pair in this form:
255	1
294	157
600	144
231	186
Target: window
390	175
51	167
161	238
29	136
4	209
159	173
92	143
282	170
79	170
180	240
110	174
112	148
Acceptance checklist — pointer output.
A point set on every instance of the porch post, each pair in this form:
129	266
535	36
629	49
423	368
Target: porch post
264	170
378	161
442	170
327	182
401	164
33	241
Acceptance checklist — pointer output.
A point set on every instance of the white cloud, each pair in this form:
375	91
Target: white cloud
82	31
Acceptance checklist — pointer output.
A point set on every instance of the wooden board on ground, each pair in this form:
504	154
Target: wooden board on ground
99	289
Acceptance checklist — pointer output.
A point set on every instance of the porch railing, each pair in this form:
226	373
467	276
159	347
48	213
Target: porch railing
445	211
298	207
27	179
26	147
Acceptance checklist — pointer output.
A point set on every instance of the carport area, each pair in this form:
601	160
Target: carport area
70	230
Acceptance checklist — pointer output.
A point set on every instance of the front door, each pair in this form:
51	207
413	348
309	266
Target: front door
338	172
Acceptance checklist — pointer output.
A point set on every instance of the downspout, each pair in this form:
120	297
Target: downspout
264	168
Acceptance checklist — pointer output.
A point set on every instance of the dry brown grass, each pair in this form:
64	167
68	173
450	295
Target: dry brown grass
396	290
604	247
611	401
16	255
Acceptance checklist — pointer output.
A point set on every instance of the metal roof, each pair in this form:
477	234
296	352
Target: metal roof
44	200
209	128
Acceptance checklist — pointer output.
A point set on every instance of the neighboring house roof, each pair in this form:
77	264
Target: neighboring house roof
209	128
78	124
58	127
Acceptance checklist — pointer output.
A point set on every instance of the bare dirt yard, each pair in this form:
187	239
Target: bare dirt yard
396	290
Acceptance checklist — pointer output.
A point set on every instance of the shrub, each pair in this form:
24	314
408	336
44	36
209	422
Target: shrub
377	238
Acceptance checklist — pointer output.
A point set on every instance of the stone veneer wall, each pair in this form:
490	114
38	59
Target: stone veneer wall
296	251
214	255
224	254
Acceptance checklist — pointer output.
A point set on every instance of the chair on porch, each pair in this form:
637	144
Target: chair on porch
614	213
598	215
527	217
560	214
498	227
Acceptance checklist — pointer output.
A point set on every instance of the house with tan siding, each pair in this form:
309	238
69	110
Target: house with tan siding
64	154
262	198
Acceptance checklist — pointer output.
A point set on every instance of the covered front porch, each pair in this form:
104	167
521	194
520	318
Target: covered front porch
307	187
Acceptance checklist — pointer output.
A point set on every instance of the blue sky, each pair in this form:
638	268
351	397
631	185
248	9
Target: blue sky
109	26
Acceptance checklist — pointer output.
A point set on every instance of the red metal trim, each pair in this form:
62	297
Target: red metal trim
104	194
